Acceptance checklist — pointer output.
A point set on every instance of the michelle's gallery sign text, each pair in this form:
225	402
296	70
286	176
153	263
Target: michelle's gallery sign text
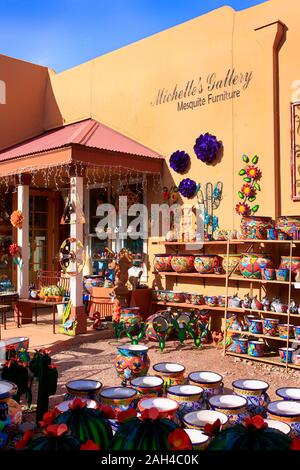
205	90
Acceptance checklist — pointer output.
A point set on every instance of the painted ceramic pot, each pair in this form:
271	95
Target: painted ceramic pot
148	386
286	263
83	388
166	407
132	361
285	331
279	426
289	393
239	345
171	373
158	295
174	296
256	348
211	382
287	412
256	326
17	343
268	274
248	320
296	359
270	326
289	225
255	392
189	398
282	274
166	326
119	398
130	316
64	405
221	300
255	227
296	330
233	406
211	300
196	299
182	263
272	234
232	261
198	438
162	263
206	264
286	354
251	264
198	419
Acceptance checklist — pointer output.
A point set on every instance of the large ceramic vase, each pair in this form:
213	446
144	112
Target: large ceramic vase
206	264
255	392
83	388
288	412
132	361
255	227
289	225
162	263
182	263
251	264
171	373
130	316
189	398
233	406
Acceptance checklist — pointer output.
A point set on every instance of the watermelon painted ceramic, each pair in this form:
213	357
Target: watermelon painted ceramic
132	361
251	264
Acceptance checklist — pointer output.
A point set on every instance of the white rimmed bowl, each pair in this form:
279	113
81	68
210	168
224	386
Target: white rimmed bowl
198	439
255	392
279	426
119	398
198	419
166	407
234	406
211	382
171	373
65	405
189	397
286	411
148	385
289	393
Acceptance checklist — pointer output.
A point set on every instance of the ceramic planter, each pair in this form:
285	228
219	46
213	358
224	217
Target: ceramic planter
206	264
148	386
130	316
239	345
288	225
189	398
162	263
198	419
119	398
166	407
198	438
233	406
221	300
286	354
289	393
251	264
171	373
287	412
279	426
255	392
182	263
132	361
256	326
166	325
285	331
288	264
211	300
174	296
232	261
270	326
211	382
255	227
296	331
256	348
282	274
83	388
268	274
195	299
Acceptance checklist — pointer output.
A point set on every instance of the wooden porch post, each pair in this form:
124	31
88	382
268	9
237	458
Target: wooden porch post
23	236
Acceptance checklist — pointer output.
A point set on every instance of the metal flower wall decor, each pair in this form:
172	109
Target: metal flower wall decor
251	175
187	188
207	147
179	161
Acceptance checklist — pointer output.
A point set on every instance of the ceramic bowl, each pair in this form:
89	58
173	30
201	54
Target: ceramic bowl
239	345
296	331
285	330
198	439
256	326
148	385
282	274
206	264
211	382
84	388
279	426
289	393
171	373
162	262
268	274
189	398
166	407
196	299
198	419
255	392
234	406
64	405
6	389
287	411
270	326
232	262
119	398
182	263
174	296
211	300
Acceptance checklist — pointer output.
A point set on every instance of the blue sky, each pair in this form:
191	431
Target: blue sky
64	33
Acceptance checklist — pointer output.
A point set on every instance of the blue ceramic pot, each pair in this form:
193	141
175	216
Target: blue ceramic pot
255	392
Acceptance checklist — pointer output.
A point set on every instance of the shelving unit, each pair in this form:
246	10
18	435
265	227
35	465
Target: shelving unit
228	278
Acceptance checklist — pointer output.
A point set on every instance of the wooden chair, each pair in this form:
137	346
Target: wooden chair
101	302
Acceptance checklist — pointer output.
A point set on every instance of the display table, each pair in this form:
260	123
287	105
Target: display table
24	305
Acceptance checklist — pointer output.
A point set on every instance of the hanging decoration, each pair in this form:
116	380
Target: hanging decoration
170	196
72	256
16	219
70	209
251	175
210	199
187	188
207	147
179	161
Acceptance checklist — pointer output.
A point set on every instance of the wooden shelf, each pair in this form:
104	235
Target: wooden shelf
199	307
219	276
268	359
224	242
265	312
256	335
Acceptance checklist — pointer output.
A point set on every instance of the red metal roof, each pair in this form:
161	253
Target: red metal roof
89	133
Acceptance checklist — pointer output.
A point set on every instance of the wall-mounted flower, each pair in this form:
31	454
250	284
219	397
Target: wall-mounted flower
179	161
207	147
248	190
16	219
187	188
251	174
242	208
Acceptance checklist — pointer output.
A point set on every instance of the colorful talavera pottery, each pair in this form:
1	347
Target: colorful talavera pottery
268	274
221	300
171	373
255	392
206	264
285	331
286	354
296	330
162	263
239	345
256	326
118	398
256	348
255	227
282	274
211	382
83	388
148	386
287	412
211	300
174	296
272	234
251	264
270	326
158	295
195	298
287	263
198	438
166	407
288	225
189	398
231	263
130	316
279	426
182	263
233	406
198	419
289	393
132	361
149	329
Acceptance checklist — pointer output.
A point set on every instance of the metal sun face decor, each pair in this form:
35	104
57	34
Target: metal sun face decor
251	175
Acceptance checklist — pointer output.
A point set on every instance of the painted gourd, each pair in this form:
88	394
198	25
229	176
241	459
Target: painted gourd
64	442
239	437
136	434
87	424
